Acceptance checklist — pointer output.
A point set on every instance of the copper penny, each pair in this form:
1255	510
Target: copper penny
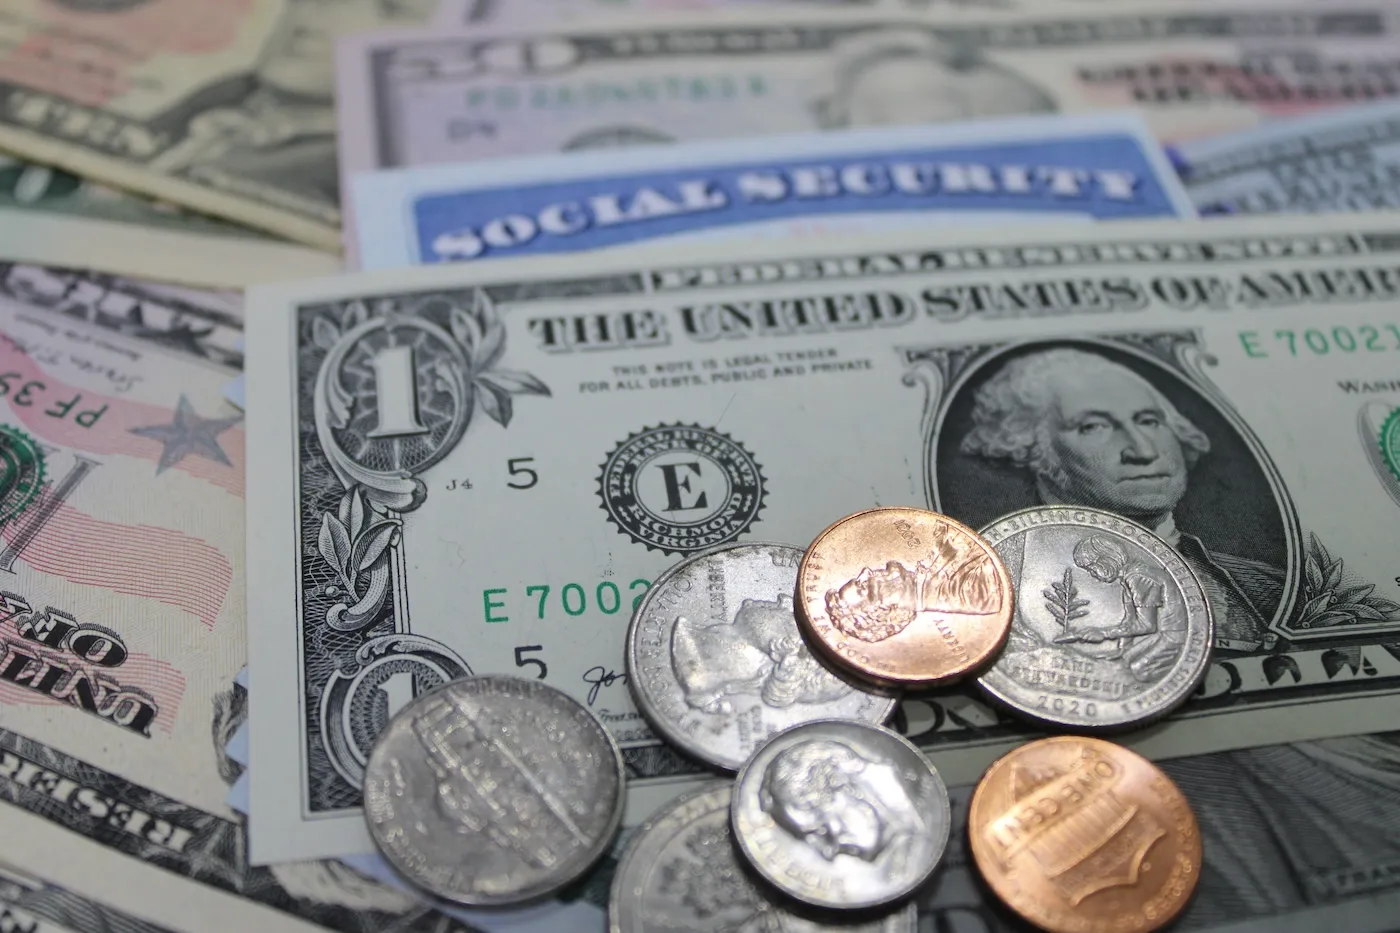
1079	835
904	597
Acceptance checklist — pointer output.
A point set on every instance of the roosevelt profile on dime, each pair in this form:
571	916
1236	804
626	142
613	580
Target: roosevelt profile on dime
839	802
840	814
1091	431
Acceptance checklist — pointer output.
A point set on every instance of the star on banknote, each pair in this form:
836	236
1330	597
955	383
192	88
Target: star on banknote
187	434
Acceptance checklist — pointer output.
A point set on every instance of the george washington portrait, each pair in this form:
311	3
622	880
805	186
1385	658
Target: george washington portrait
1084	424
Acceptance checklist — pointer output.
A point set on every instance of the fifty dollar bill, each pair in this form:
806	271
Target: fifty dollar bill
527	12
1195	68
481	469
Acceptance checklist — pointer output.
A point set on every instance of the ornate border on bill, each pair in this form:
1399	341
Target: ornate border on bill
359	595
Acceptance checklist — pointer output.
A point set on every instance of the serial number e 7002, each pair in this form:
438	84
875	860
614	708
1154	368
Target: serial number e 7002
574	599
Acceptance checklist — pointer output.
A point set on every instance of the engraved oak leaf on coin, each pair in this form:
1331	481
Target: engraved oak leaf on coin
355	541
1065	605
1331	596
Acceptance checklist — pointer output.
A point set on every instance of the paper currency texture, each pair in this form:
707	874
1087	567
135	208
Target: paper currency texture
223	107
1194	68
122	617
489	465
529	12
1339	160
1297	838
155	254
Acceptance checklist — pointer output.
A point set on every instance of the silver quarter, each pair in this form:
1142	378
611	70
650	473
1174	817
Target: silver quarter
841	815
1111	628
680	874
717	664
493	790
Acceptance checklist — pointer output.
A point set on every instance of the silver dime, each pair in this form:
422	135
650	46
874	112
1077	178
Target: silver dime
680	874
840	814
1111	627
493	790
717	664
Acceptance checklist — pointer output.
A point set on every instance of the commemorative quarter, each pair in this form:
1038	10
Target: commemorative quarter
904	597
493	790
841	815
1112	629
1078	835
680	873
717	664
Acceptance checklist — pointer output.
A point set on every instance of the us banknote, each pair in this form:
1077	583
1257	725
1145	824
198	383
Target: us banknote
122	615
1339	160
46	190
221	107
530	12
29	904
487	465
1195	68
52	217
1297	838
950	175
157	254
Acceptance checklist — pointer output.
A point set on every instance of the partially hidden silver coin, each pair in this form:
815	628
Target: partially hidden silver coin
1111	627
680	874
841	815
717	664
493	790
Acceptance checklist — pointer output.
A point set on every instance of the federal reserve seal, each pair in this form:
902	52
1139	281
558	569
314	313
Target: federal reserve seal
21	472
681	488
1378	423
1390	442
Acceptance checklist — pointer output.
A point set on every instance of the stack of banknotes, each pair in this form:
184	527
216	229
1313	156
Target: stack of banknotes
703	272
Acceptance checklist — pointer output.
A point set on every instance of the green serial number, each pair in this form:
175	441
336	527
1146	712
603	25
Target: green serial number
574	599
1320	341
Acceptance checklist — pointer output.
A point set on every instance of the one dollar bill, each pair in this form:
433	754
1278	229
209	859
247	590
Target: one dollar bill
482	468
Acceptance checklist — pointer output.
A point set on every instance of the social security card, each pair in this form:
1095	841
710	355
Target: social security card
1007	171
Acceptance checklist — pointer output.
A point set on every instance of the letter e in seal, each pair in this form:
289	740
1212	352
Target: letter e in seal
681	489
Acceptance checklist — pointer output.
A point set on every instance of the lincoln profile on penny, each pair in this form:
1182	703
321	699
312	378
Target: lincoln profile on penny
1092	432
839	802
879	603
